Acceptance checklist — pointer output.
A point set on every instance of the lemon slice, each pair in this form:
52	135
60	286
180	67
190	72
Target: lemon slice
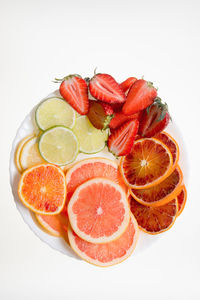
91	140
58	145
53	112
18	151
30	155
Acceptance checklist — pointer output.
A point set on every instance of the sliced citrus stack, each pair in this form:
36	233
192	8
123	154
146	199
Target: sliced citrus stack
107	254
149	163
54	111
42	189
161	193
154	220
181	197
30	155
58	145
91	168
170	142
18	151
91	139
99	211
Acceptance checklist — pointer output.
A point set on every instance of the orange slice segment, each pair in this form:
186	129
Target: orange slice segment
42	189
149	163
170	142
51	224
92	168
161	193
18	151
107	254
99	211
154	220
181	197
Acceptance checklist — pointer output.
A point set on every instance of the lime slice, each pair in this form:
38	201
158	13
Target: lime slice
53	112
58	145
30	155
91	140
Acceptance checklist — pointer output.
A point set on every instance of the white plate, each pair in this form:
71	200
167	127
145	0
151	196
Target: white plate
27	127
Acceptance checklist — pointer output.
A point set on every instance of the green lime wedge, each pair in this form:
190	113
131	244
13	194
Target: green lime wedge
54	111
58	145
91	140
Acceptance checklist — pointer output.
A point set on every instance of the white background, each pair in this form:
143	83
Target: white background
155	39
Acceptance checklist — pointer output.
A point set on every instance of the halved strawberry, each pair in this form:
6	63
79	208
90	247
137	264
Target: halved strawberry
100	114
105	88
141	95
126	84
120	142
154	119
75	91
120	118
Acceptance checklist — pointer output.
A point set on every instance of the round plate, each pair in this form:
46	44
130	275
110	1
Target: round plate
27	127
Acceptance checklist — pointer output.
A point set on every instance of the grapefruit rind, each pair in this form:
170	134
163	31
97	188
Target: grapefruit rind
46	226
59	209
98	263
159	179
73	216
185	199
18	151
166	199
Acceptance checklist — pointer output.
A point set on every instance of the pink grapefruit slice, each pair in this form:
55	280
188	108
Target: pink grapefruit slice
99	211
92	168
107	254
51	224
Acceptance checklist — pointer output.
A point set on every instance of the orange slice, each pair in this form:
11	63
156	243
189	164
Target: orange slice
92	168
149	163
42	189
161	193
99	211
181	197
18	151
107	254
154	220
51	224
170	142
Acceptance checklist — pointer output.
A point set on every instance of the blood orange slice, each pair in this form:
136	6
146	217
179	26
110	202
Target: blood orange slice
181	197
170	142
149	163
99	211
42	189
154	220
161	193
107	254
92	168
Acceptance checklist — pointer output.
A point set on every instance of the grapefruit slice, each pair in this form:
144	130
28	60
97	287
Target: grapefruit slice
181	197
162	192
42	189
107	254
18	152
154	220
170	142
92	168
149	163
99	211
51	224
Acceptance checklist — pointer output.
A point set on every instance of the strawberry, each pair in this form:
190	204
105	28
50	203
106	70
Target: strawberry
141	95
154	119
121	140
104	87
100	114
126	84
120	118
75	91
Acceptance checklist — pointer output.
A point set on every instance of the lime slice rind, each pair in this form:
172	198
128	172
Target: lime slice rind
54	111
59	145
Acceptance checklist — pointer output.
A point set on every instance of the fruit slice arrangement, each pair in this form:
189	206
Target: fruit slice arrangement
98	204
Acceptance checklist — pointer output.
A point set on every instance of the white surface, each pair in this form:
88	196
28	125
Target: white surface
44	39
28	127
